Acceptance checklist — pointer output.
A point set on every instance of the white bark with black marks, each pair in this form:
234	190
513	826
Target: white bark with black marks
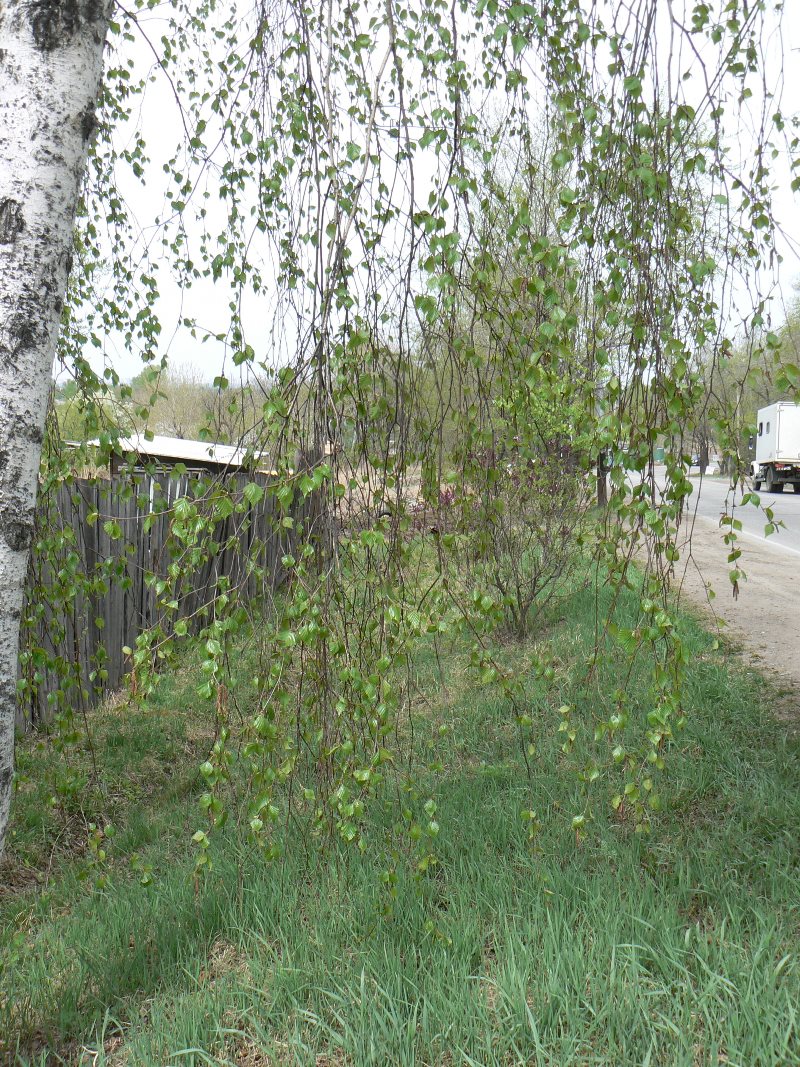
51	59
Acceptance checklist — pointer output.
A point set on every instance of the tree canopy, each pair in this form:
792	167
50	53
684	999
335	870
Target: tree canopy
466	251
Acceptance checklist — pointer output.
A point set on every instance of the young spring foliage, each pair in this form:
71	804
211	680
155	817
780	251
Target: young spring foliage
481	250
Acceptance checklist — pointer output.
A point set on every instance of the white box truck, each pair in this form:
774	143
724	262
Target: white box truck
777	461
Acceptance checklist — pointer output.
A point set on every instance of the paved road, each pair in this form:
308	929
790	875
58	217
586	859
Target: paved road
762	611
710	495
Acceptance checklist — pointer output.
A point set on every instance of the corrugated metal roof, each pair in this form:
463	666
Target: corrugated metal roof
179	450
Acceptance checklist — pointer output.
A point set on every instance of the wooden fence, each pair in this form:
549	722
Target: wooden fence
103	548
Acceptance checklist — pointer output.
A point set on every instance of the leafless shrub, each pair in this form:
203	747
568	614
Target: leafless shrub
528	545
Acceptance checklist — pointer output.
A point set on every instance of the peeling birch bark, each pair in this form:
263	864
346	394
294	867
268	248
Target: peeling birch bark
51	59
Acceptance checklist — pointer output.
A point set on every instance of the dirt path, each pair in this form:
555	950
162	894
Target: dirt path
764	620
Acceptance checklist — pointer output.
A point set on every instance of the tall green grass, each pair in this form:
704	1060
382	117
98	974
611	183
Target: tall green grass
677	947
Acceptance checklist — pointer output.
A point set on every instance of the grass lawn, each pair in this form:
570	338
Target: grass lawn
677	947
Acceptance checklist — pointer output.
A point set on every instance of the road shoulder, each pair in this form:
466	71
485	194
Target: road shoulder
762	621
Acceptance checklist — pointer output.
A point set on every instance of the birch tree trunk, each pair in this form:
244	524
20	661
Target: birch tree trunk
51	59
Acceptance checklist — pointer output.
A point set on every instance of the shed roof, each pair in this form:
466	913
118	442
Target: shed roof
180	450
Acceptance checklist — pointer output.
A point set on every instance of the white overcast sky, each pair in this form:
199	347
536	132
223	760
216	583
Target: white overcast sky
208	303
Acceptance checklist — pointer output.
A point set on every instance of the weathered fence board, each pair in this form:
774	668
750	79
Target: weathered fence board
72	630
